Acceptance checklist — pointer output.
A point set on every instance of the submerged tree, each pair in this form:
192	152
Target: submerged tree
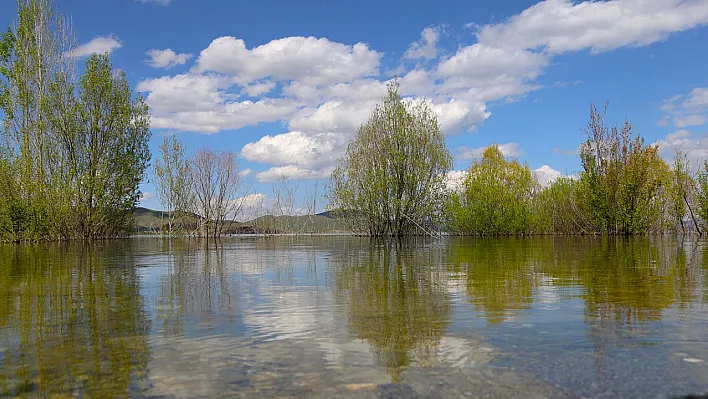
623	181
172	178
391	180
215	189
495	198
74	149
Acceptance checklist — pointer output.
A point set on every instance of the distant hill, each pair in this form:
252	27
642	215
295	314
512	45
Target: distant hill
148	220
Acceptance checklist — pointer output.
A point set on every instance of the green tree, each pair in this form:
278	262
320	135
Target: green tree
107	149
702	195
495	197
74	149
623	181
391	180
172	179
555	209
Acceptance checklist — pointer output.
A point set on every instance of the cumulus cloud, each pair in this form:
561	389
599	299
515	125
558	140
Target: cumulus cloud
296	149
167	58
316	60
245	172
99	45
292	172
322	90
545	175
259	88
426	47
511	150
185	92
695	147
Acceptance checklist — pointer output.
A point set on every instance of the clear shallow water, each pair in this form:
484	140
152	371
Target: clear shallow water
352	318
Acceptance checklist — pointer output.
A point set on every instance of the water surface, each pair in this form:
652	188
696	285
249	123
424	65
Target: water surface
355	318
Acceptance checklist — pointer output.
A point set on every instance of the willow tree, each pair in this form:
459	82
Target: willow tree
495	198
391	180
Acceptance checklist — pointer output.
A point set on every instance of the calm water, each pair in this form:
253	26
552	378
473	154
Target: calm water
347	317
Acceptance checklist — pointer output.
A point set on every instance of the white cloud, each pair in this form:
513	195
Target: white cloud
146	196
185	92
478	62
100	45
688	110
333	116
456	115
167	58
690	120
245	172
318	61
559	26
697	99
322	91
695	148
426	47
292	172
296	149
259	88
511	150
227	116
545	175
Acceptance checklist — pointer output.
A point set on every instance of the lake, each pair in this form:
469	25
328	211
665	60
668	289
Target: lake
347	317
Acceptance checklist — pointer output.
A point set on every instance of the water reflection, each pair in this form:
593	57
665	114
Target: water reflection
398	301
73	320
324	315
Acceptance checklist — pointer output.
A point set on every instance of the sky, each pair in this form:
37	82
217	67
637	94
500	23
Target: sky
285	84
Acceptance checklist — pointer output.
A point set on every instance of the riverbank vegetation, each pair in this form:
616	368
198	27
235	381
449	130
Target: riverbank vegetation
74	143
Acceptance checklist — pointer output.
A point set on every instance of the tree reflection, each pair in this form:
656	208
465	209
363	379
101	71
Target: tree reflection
195	287
498	274
397	300
73	320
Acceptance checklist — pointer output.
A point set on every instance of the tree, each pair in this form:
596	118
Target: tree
172	179
623	181
32	59
495	198
75	149
681	189
107	149
702	196
215	188
391	180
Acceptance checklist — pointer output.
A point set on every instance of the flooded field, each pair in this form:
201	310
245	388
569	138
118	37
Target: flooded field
331	317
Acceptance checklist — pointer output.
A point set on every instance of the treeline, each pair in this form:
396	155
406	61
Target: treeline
74	142
392	182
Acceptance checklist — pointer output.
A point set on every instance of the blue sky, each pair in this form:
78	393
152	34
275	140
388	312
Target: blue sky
284	84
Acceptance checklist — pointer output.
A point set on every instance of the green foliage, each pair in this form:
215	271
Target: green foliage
172	180
556	209
622	187
702	195
390	183
73	151
495	198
